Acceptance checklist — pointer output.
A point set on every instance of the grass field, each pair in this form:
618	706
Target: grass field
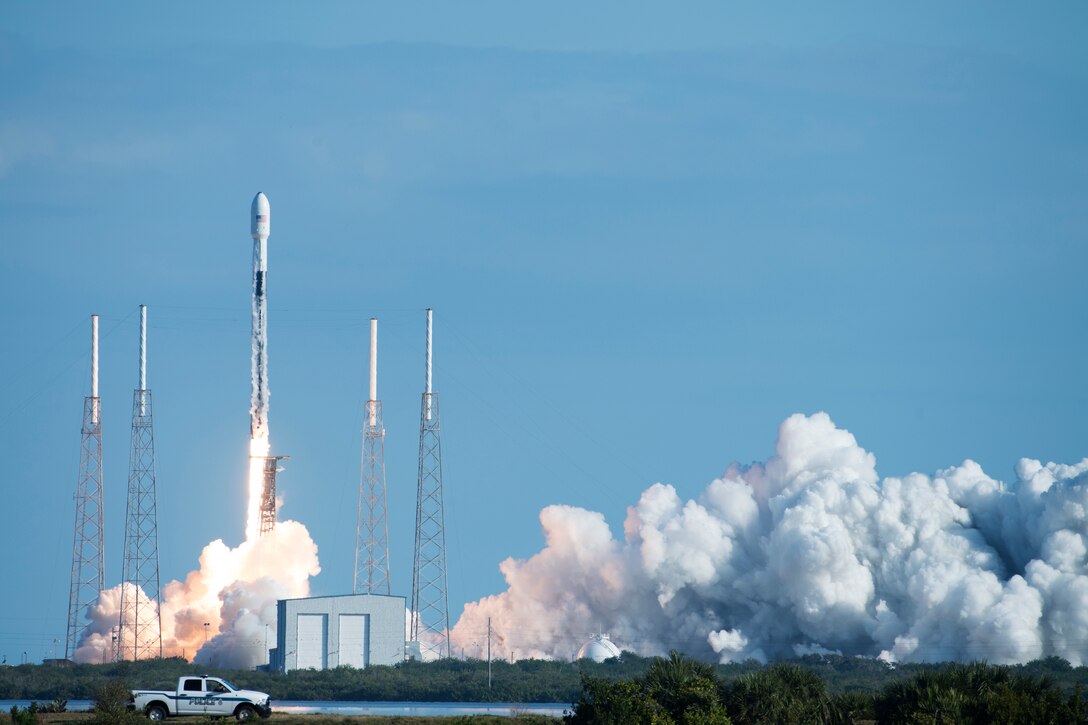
76	717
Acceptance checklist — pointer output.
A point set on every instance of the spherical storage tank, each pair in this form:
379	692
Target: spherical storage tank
598	649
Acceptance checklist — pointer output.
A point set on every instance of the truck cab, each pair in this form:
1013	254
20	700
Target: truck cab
205	696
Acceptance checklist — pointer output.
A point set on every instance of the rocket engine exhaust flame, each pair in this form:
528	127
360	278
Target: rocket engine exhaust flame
258	453
812	552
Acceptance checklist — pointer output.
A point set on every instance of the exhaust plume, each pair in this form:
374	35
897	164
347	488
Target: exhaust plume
811	552
224	613
234	591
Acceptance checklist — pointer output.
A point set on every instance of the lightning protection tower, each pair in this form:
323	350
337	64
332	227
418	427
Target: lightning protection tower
430	609
371	529
88	556
139	632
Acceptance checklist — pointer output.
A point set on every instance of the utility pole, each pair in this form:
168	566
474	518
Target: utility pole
489	653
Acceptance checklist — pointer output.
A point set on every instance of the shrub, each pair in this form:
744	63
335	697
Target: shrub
111	705
674	691
781	694
26	715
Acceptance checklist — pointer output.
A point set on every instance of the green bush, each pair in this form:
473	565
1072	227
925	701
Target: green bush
615	702
781	694
26	715
977	693
674	691
111	705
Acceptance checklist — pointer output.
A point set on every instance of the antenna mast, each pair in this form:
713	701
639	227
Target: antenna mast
88	555
430	607
139	634
372	529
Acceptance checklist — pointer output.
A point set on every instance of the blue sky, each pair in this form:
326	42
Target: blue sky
649	235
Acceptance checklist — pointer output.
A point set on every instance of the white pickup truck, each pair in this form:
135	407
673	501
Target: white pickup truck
202	695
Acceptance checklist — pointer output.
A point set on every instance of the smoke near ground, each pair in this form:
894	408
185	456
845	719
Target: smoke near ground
812	552
233	593
234	590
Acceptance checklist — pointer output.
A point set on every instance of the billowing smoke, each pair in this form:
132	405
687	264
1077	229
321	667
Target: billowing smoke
234	591
224	613
813	552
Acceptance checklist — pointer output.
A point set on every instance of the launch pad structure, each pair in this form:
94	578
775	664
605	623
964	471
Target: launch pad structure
140	619
268	491
88	554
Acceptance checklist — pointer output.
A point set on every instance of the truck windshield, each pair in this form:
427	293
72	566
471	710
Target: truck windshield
229	686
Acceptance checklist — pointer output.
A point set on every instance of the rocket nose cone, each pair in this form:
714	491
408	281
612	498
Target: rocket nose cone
260	216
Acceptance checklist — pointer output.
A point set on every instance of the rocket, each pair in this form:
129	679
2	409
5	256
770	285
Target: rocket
260	227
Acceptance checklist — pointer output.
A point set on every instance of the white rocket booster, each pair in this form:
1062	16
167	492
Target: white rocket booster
260	228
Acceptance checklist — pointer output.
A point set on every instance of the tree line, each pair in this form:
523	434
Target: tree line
834	685
680	691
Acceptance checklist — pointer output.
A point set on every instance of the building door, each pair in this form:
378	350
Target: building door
311	644
354	640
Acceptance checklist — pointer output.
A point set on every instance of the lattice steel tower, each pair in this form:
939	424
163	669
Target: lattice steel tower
268	491
139	634
88	555
372	529
430	607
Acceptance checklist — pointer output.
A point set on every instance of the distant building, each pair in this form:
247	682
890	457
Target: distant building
55	662
598	649
357	630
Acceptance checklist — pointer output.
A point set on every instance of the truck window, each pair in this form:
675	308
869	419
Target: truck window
193	686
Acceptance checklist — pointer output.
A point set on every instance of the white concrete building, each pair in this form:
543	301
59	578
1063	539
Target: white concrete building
357	630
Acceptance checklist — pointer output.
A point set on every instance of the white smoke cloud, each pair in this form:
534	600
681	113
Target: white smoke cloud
234	591
813	552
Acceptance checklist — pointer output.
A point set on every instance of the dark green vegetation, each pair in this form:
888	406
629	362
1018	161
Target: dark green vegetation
442	681
631	689
29	715
673	690
680	691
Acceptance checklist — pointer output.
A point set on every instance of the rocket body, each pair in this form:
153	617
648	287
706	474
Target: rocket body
260	228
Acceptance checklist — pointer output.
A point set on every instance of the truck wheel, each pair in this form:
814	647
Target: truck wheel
155	712
244	713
